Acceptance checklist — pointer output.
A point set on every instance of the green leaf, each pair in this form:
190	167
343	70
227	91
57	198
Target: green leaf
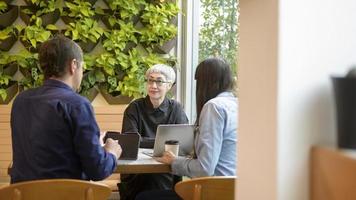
3	94
33	42
51	27
99	76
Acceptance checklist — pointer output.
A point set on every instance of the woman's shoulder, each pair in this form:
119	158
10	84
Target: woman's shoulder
223	98
173	102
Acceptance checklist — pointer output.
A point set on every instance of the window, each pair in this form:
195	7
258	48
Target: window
208	28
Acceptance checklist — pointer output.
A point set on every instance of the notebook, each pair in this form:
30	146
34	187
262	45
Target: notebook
184	133
129	143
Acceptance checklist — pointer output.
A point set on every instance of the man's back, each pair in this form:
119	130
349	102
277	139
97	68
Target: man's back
55	135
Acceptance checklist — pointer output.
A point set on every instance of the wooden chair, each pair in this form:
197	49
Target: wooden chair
55	189
215	187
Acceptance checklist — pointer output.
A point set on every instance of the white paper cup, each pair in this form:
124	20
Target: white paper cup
172	146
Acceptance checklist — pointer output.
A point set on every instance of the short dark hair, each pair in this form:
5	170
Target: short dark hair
213	76
55	55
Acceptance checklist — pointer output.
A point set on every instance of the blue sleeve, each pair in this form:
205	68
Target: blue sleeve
97	164
208	145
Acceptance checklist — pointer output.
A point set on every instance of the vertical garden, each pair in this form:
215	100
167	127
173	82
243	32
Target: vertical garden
120	40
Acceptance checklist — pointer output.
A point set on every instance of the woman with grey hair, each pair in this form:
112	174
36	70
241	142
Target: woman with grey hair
143	116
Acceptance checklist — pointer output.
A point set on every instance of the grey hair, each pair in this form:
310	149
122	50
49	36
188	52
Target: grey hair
165	70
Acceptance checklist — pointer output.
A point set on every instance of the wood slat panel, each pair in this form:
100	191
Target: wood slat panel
5	132
4	164
5	148
5	118
5	140
5	156
112	109
110	127
5	109
4	125
109	118
5	179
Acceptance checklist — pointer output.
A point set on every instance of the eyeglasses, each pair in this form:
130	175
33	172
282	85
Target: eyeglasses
158	82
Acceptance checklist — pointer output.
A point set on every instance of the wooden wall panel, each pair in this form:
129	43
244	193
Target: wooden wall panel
109	117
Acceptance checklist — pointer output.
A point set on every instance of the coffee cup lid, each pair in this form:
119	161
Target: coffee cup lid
172	142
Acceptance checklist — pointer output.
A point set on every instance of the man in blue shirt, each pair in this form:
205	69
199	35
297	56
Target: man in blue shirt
54	132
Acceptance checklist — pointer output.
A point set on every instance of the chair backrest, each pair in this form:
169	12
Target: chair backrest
215	187
55	189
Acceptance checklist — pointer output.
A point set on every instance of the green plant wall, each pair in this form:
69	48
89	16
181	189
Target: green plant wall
121	39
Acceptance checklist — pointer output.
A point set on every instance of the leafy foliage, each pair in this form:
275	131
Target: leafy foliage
4	82
218	33
45	6
35	33
122	64
79	9
126	8
85	29
6	33
33	75
3	7
158	28
116	40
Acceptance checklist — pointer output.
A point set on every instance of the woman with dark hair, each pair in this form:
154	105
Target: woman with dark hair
215	141
215	136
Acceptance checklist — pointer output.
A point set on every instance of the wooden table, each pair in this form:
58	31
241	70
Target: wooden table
144	164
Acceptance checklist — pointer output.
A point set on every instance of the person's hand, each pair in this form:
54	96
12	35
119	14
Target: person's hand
101	137
112	146
167	158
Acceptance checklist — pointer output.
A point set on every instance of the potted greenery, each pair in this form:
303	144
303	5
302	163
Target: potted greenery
92	76
8	65
32	36
126	10
77	9
92	2
8	14
28	66
86	32
8	88
159	28
113	66
45	9
7	38
118	70
121	40
87	87
82	24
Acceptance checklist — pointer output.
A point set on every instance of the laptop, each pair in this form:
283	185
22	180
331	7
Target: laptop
184	133
129	143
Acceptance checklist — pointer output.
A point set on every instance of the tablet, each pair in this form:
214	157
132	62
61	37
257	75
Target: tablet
129	143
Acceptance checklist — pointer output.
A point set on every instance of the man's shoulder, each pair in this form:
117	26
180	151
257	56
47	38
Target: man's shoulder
67	97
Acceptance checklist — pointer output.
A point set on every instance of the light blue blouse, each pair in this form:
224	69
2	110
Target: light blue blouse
215	143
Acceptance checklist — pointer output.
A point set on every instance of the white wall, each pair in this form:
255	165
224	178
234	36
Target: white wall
317	39
288	51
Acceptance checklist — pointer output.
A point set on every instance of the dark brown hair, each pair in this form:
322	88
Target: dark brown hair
213	76
55	55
